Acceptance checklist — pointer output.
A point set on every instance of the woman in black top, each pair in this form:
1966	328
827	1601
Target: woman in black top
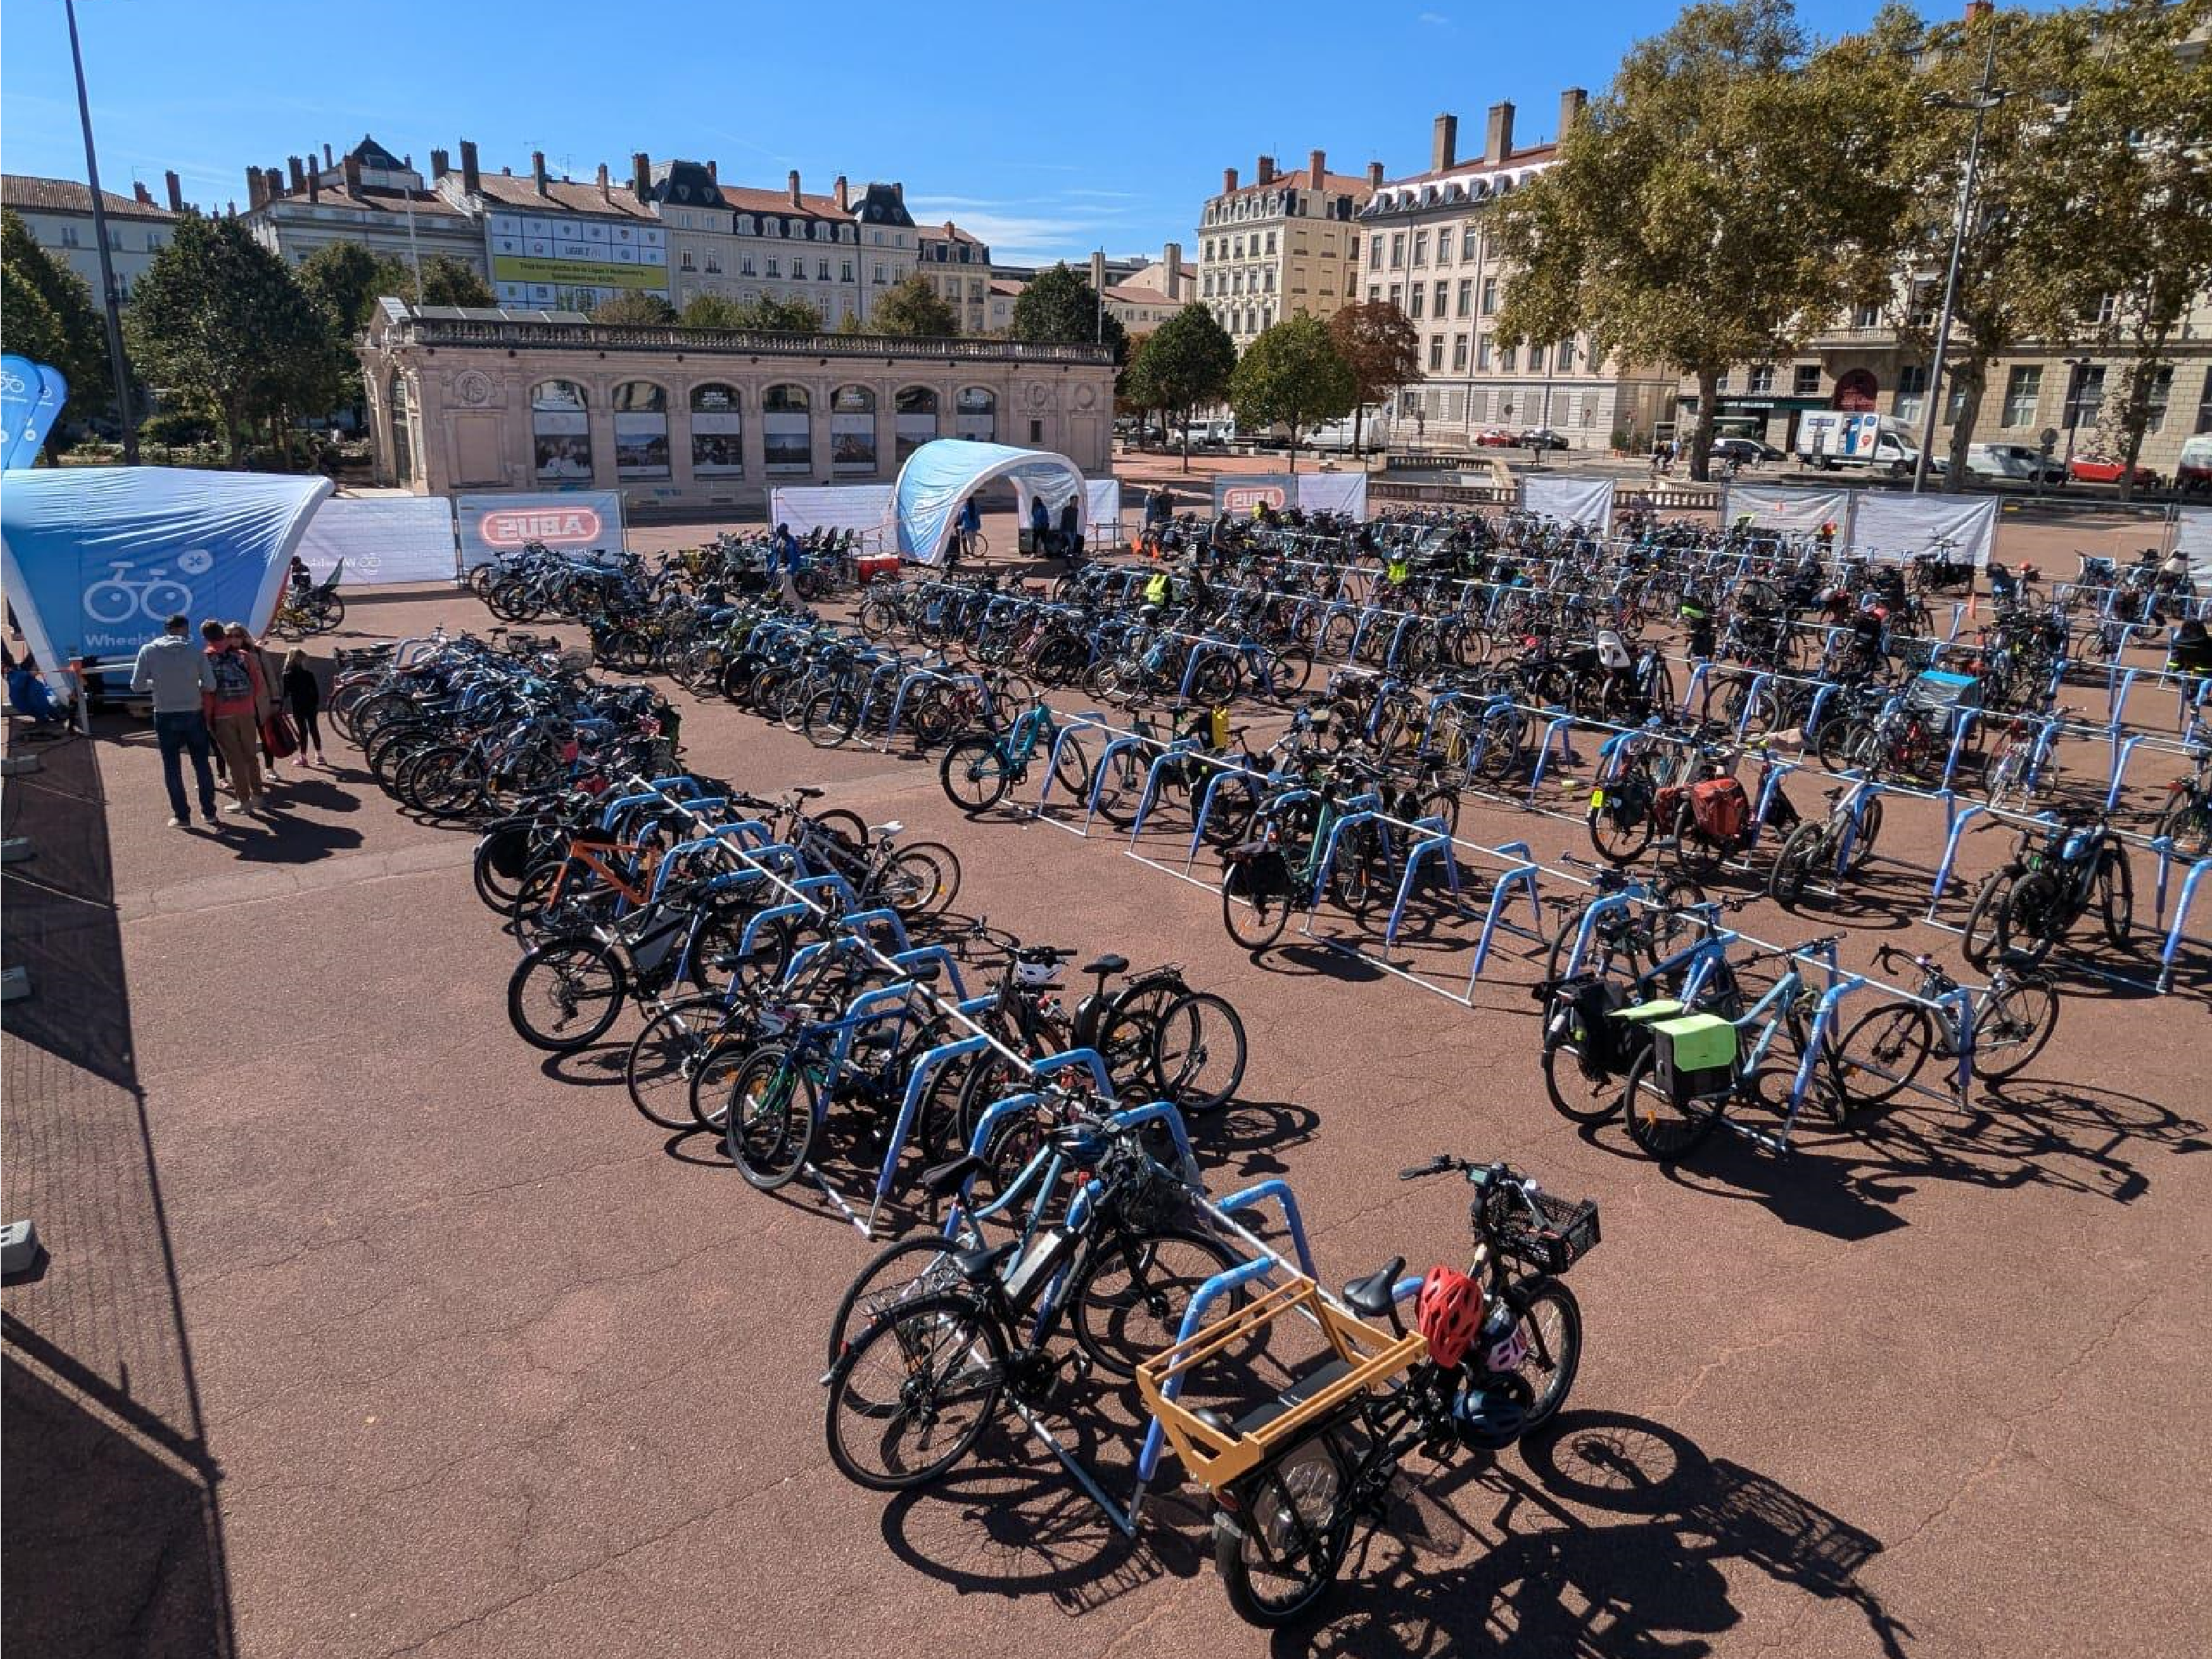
303	696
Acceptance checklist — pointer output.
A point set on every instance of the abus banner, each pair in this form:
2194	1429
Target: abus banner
1235	495
567	521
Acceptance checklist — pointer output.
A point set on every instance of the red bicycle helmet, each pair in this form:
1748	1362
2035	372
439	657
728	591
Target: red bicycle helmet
1449	1314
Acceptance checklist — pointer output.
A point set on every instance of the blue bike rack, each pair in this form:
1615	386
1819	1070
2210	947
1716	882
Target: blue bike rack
1436	841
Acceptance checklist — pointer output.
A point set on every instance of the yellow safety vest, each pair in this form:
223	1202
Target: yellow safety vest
1156	591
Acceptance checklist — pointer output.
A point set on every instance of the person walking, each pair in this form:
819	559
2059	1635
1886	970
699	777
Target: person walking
303	696
235	707
1071	531
180	679
971	526
1040	528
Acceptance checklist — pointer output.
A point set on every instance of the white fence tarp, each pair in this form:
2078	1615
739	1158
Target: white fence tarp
1102	511
864	507
2192	537
1794	510
382	540
1333	492
1585	502
566	520
1892	524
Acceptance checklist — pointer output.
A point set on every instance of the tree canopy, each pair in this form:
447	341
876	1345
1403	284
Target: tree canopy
1184	363
1292	376
47	314
914	309
1377	342
635	309
1060	307
764	315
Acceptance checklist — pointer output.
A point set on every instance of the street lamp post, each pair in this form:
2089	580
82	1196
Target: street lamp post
1987	96
118	369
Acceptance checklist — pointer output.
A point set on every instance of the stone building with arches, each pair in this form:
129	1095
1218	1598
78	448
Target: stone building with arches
691	418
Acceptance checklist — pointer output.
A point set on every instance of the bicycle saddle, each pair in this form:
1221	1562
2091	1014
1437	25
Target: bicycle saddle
889	827
1374	1295
1107	965
940	1178
976	1265
807	791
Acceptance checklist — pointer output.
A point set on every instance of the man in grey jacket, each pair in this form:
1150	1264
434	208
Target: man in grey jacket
175	669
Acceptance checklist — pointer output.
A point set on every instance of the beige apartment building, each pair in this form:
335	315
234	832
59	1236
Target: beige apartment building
957	268
57	212
1142	302
1283	245
491	400
1428	250
368	197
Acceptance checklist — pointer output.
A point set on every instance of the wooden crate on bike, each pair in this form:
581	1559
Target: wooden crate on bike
1213	1455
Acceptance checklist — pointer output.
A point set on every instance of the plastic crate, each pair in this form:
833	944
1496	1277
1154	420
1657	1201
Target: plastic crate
1569	1233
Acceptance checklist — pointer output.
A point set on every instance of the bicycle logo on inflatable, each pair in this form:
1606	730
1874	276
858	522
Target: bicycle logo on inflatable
116	598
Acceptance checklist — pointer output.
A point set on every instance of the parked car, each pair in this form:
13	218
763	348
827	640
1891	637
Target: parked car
2021	462
2107	469
2193	473
1497	437
1541	437
1744	451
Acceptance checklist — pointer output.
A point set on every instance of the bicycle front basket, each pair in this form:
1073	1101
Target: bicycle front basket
1568	1233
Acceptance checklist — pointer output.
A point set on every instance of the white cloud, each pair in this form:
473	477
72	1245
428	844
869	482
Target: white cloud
1027	231
1435	20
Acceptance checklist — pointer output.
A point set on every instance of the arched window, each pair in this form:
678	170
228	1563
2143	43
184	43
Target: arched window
975	415
403	445
853	431
560	431
641	430
917	419
787	435
717	432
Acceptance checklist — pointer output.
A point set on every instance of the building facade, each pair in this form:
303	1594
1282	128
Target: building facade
1145	300
369	197
487	400
1284	245
58	213
957	268
1428	251
743	243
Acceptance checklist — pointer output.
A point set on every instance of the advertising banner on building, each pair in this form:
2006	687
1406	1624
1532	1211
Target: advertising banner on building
1585	502
1235	494
567	521
1891	524
718	429
380	541
573	262
1333	492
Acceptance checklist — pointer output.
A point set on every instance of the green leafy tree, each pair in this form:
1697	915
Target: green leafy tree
764	315
348	280
47	314
1060	307
1379	344
2126	242
1731	190
218	323
1292	376
634	309
914	310
448	280
1187	362
712	311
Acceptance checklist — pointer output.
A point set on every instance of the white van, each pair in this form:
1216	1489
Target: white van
1830	438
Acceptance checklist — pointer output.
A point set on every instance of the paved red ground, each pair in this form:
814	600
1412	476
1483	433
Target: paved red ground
474	1361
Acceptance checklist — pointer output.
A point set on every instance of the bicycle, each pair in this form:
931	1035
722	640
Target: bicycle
1837	844
1882	1051
977	770
1494	1356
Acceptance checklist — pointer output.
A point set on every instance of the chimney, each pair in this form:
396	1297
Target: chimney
352	166
1979	10
1267	171
898	193
1318	170
1374	175
440	164
1171	257
1572	102
844	194
538	170
272	185
715	173
314	184
1098	270
176	192
1443	144
257	191
329	159
1498	143
472	180
605	194
298	172
794	186
641	174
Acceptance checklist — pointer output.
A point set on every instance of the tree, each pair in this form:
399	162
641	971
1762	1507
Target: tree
913	310
1292	376
47	314
218	323
1731	190
2128	241
1186	362
765	315
1060	307
634	308
348	280
712	311
1380	346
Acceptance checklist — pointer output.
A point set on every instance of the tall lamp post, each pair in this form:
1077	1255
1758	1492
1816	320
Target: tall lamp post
117	368
1987	95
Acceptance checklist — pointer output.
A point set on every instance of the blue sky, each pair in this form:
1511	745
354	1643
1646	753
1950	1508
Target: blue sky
1047	128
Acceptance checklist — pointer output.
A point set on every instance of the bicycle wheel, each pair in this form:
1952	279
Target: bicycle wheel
2113	891
2013	1025
1619	832
1656	1124
941	1359
2032	918
904	1269
1804	855
974	774
921	880
565	994
1980	935
1577	1094
1552	1332
768	1124
2188	821
1120	781
665	1056
1880	1053
1255	919
1278	1556
829	715
1071	769
1198	1052
1864	838
1128	1305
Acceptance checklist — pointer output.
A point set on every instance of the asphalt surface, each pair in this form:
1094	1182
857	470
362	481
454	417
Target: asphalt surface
369	1331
